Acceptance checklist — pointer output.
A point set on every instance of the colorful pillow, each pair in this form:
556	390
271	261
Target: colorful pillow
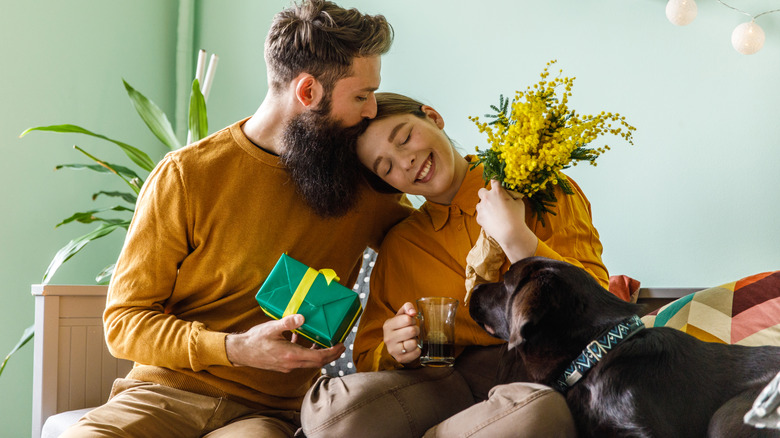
746	312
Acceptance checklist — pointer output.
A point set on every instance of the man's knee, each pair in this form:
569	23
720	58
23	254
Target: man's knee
139	409
512	410
387	403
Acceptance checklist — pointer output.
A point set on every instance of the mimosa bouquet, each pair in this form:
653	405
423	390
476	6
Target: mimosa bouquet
531	140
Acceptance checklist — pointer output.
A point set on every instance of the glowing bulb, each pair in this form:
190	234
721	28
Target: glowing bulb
748	38
681	12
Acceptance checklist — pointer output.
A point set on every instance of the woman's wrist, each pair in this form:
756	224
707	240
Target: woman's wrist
521	247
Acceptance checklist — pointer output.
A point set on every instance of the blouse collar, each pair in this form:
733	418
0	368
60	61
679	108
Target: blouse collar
465	199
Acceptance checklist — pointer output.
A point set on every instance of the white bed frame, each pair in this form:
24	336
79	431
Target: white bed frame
73	370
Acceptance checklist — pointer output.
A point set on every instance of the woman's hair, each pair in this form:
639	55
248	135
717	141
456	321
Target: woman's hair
393	104
321	38
388	105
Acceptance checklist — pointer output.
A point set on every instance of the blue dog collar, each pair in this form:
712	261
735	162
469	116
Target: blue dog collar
596	350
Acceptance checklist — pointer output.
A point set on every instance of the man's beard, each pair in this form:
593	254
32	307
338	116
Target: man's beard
321	159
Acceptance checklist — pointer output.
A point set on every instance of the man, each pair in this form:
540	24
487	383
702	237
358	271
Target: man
211	222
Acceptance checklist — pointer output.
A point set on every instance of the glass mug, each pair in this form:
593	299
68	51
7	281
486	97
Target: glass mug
437	330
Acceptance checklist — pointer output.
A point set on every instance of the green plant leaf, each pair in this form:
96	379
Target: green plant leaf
98	168
154	117
74	246
139	157
28	334
198	121
105	275
132	182
123	223
87	217
127	197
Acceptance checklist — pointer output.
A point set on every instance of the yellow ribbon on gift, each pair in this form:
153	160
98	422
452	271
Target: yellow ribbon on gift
304	286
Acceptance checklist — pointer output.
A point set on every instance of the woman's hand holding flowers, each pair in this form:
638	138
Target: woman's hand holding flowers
502	217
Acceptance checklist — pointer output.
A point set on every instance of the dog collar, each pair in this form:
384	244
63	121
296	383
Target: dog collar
596	350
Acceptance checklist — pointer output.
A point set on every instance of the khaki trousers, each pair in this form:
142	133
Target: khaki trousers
468	400
143	409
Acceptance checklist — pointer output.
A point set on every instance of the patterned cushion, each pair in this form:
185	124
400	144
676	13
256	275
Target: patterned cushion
745	312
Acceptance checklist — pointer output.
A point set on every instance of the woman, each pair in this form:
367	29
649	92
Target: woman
425	255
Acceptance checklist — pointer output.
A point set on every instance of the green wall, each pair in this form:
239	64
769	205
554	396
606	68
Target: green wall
693	203
63	62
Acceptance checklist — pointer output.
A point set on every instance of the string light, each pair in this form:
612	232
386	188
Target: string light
681	12
747	38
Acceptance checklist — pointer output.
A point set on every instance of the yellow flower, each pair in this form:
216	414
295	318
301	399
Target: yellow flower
536	136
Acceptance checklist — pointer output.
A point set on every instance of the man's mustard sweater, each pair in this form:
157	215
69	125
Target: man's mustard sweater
210	223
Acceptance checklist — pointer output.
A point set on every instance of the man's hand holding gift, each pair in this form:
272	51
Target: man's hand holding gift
264	346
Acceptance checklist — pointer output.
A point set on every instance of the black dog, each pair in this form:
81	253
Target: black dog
635	381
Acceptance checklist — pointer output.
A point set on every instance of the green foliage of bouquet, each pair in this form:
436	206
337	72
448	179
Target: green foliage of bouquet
537	135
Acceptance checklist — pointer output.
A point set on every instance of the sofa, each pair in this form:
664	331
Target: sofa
73	370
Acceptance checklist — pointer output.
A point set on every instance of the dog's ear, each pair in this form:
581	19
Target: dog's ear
520	290
539	303
518	318
529	308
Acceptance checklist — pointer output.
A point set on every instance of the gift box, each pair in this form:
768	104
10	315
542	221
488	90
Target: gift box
330	309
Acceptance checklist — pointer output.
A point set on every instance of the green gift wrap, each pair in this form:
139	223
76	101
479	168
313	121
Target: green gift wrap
330	309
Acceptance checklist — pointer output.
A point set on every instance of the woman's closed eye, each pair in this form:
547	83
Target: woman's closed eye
408	137
382	166
389	162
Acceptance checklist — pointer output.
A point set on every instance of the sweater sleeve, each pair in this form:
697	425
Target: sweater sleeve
138	326
570	235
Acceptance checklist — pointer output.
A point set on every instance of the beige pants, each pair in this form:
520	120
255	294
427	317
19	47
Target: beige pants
469	400
142	409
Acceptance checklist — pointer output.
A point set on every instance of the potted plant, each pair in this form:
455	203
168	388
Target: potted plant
158	123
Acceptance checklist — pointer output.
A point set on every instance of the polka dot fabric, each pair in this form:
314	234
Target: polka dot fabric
343	365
